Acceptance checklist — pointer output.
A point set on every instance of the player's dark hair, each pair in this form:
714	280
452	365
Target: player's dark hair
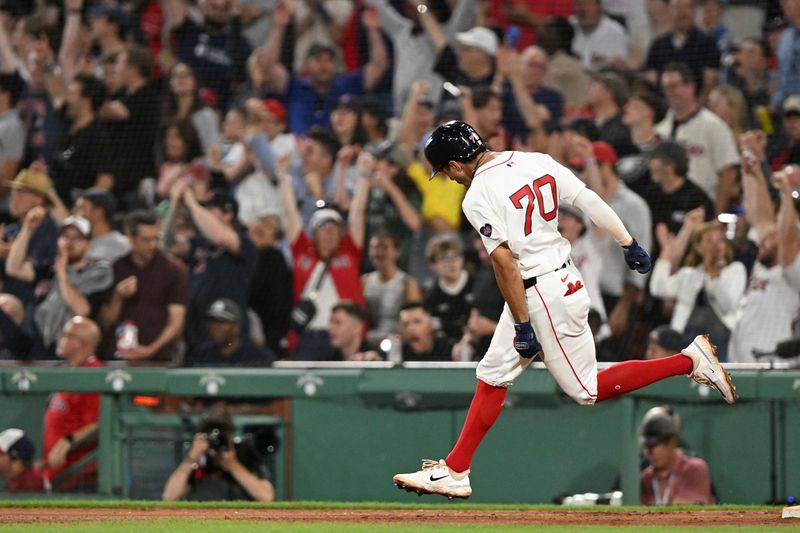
351	308
387	236
441	244
762	45
653	100
409	306
326	139
481	97
139	217
12	84
188	135
171	101
93	89
140	59
687	75
556	34
215	418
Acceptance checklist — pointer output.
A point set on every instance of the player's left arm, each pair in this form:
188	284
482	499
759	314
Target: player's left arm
606	219
603	216
509	280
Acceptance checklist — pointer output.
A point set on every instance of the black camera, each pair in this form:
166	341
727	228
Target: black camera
218	440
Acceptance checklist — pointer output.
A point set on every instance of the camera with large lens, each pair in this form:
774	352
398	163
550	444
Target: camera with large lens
218	440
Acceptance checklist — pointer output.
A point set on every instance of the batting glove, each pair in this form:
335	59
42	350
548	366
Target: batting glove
637	258
525	340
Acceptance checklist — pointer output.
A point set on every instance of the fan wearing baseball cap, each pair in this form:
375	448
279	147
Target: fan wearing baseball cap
16	462
221	255
472	62
226	346
268	143
673	478
326	262
310	99
76	283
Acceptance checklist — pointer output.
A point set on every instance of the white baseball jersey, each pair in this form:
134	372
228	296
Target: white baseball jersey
766	314
514	198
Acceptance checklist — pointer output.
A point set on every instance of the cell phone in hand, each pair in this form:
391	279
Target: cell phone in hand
511	37
452	89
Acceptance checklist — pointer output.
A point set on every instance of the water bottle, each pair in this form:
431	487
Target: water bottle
127	334
393	347
467	351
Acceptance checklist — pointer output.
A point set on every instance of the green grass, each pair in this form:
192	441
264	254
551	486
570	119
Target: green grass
150	504
227	526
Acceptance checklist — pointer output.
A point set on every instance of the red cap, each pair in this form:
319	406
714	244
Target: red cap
276	108
604	153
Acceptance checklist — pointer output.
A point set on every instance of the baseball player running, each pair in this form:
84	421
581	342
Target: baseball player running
512	200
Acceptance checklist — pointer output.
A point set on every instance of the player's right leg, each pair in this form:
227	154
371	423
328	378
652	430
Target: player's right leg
495	372
559	308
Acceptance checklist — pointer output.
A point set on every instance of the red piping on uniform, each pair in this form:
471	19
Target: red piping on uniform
559	344
496	164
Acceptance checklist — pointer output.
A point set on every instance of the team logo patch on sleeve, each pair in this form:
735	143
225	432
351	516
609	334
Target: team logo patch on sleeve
486	230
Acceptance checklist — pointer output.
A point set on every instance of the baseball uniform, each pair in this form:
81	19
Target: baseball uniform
515	199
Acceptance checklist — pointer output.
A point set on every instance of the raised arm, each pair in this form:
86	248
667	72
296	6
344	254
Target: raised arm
533	113
788	236
432	28
175	12
8	60
392	22
463	16
213	229
758	206
269	58
292	221
408	131
18	265
378	56
356	218
69	54
681	241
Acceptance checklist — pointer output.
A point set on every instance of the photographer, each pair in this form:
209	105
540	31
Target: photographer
218	468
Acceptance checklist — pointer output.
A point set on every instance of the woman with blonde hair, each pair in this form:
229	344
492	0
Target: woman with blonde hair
728	103
708	286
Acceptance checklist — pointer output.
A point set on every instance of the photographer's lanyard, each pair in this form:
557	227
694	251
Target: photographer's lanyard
662	499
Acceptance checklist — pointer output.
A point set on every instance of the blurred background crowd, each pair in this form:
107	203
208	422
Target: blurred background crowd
233	182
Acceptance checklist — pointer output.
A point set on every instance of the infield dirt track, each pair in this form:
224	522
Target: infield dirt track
34	515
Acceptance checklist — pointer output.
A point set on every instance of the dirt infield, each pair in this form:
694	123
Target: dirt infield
35	515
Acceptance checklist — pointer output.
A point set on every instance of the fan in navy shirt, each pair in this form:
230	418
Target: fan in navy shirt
310	100
685	44
211	42
226	345
220	256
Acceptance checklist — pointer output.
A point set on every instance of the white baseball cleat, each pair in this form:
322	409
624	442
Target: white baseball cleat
707	370
435	478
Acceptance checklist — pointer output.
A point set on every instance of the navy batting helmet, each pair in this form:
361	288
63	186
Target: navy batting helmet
452	141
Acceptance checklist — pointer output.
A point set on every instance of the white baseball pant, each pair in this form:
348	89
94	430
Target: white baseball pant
559	314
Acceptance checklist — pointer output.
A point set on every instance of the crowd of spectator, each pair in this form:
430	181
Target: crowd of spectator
233	182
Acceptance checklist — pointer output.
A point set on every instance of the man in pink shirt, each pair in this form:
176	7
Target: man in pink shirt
672	478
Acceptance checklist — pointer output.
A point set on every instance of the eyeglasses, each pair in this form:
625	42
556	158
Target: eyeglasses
449	258
72	238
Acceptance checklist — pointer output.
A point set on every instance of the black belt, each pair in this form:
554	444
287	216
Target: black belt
530	282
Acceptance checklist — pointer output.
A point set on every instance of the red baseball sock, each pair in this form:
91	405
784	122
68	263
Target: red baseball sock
631	375
483	411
